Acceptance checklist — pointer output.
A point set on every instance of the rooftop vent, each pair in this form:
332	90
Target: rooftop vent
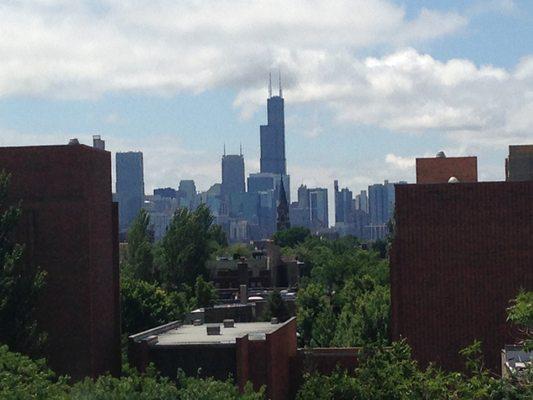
453	179
274	321
197	322
229	323
73	141
441	154
213	329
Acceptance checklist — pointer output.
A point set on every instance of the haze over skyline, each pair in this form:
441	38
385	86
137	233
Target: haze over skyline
368	85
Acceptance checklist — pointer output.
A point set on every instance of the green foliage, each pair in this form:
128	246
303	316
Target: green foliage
211	389
364	318
187	245
205	294
346	301
145	305
276	307
521	314
139	257
390	373
24	379
20	284
291	237
134	386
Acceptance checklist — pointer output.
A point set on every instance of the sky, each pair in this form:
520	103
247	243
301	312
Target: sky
368	84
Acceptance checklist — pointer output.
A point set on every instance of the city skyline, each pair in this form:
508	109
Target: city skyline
352	110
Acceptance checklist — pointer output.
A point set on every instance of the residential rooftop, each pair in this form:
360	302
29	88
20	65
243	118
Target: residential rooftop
176	334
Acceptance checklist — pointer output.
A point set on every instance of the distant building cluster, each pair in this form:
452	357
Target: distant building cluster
255	207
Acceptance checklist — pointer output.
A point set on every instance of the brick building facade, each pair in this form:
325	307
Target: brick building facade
460	253
69	228
440	169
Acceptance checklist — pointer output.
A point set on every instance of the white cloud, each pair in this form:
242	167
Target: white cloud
82	49
400	162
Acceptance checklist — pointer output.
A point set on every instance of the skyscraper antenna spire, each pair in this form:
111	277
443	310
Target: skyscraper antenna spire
269	85
240	145
224	148
279	81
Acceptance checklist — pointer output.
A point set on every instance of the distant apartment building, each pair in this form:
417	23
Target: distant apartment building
129	186
69	227
519	163
440	169
461	252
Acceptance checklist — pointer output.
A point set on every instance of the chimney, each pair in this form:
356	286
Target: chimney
229	323
213	329
243	289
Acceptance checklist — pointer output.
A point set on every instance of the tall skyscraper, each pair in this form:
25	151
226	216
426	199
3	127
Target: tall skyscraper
130	186
187	193
273	135
378	205
519	163
232	174
318	207
343	204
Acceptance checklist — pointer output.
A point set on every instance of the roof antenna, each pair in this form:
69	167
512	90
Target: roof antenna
279	79
269	85
241	148
224	149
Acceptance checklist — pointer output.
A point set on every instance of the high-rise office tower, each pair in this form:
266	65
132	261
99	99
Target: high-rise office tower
232	174
343	204
378	205
519	163
363	201
187	193
318	207
130	186
273	135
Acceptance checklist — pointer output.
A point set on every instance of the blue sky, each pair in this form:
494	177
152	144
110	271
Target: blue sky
368	85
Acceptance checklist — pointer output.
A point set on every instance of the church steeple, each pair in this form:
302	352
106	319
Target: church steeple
283	221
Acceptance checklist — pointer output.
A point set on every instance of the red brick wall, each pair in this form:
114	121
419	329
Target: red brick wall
68	228
267	362
461	251
439	170
282	347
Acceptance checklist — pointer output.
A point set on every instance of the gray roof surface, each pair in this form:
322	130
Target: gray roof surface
191	334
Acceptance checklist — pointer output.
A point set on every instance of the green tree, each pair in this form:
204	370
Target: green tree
291	237
364	319
145	305
187	245
276	307
205	294
20	284
521	314
139	256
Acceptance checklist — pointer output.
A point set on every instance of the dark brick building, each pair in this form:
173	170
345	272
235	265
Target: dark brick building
257	352
70	229
440	169
460	253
